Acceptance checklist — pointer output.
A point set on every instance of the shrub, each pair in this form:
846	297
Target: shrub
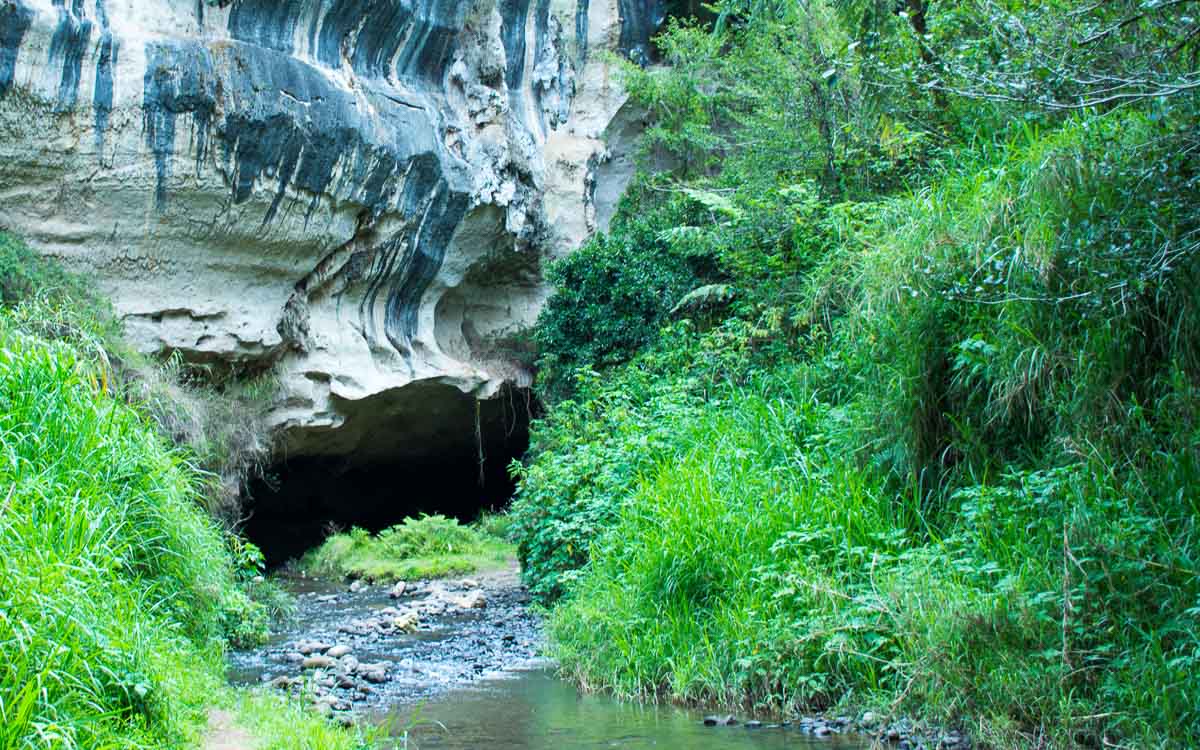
117	592
614	293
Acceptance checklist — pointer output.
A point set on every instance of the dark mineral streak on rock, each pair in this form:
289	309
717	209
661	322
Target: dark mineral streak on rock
283	119
15	19
541	25
179	80
407	263
514	14
267	23
514	24
406	39
106	62
67	47
276	114
420	39
581	30
446	210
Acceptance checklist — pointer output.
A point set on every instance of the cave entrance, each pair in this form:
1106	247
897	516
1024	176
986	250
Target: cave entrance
441	452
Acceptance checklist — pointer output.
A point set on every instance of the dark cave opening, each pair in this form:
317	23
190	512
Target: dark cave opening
301	499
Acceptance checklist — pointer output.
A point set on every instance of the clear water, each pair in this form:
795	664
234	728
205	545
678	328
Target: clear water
535	711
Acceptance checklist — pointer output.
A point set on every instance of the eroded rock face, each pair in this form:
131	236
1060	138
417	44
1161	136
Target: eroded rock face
358	193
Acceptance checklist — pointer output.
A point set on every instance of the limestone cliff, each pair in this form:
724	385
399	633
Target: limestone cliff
360	194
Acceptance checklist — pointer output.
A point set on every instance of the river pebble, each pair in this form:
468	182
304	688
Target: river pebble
901	734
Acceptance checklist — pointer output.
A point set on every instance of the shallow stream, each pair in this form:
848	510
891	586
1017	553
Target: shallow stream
468	676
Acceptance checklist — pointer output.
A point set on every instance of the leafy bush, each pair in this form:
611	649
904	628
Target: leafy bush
590	451
566	500
614	293
754	560
685	595
220	421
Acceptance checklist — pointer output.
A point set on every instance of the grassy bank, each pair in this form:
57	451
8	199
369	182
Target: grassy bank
118	592
418	548
114	583
936	452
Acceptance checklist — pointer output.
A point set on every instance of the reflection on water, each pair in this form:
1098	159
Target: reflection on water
535	711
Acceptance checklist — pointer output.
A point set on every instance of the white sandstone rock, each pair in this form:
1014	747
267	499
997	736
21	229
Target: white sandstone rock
362	204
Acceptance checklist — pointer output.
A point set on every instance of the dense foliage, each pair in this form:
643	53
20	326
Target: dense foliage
940	456
615	293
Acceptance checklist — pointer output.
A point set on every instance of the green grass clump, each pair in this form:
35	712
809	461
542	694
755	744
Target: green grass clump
282	723
426	547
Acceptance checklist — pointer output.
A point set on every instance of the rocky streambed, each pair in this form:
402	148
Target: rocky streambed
360	648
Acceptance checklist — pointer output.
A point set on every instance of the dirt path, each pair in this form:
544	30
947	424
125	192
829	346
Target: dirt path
225	734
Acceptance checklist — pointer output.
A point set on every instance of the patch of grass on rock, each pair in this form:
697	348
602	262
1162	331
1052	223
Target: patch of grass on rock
418	548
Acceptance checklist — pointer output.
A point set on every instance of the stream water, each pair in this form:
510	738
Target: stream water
467	675
534	710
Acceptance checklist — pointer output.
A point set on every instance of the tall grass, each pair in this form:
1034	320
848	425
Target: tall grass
219	417
1035	297
112	580
118	593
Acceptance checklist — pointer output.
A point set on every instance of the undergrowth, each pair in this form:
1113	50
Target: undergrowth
417	548
938	456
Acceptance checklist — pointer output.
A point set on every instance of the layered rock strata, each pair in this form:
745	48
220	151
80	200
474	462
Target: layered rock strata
357	194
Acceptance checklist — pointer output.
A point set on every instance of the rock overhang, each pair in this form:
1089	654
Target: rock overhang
359	194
